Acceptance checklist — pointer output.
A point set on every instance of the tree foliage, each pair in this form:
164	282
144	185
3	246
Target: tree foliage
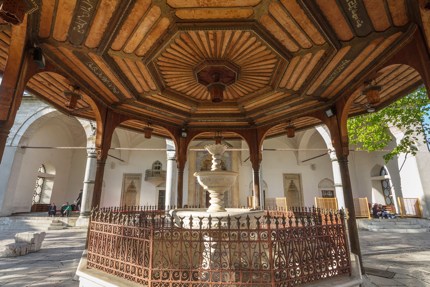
370	132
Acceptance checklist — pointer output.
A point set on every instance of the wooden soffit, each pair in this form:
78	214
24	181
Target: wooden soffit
290	57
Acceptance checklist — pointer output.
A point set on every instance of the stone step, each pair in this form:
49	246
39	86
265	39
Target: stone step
57	227
400	230
388	221
396	226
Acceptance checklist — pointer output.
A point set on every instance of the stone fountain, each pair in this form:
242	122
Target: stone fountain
216	182
216	217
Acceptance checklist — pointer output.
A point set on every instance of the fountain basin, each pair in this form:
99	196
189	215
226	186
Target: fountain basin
216	183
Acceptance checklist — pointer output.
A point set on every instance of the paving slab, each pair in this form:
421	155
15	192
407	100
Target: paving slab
54	265
407	255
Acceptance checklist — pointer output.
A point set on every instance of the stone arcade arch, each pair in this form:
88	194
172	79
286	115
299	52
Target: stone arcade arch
52	139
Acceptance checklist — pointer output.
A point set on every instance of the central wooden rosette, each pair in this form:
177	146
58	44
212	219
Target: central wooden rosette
216	76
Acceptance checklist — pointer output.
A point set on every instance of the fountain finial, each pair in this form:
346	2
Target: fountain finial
216	150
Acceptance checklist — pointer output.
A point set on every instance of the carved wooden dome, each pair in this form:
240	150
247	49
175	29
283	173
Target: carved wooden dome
290	58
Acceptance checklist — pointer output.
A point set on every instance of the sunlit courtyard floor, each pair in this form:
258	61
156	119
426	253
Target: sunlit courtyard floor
54	265
404	257
407	255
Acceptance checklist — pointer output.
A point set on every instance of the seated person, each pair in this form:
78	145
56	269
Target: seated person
52	210
387	214
66	209
376	210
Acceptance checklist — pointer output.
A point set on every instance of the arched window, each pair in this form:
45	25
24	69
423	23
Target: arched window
43	185
39	186
386	187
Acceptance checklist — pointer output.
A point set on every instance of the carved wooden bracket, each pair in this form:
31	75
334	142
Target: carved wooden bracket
13	11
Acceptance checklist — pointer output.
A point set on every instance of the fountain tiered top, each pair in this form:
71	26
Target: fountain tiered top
216	181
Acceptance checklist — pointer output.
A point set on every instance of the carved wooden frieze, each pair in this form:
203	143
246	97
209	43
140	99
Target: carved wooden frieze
84	13
100	74
356	13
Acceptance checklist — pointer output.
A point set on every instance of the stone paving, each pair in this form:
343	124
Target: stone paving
54	265
406	255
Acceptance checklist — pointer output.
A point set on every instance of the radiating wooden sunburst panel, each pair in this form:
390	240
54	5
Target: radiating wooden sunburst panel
144	111
269	116
377	14
52	86
211	4
62	19
299	69
300	123
425	17
178	62
105	11
334	16
130	25
4	47
142	28
337	61
274	99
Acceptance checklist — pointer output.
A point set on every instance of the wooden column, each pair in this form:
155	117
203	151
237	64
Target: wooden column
19	69
256	186
339	136
110	120
255	158
181	159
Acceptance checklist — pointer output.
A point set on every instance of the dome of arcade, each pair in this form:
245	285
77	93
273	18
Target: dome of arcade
225	64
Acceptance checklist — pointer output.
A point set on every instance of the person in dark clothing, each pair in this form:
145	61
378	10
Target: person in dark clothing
79	200
52	209
376	211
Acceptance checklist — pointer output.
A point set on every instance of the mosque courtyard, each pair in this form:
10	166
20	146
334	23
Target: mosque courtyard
404	258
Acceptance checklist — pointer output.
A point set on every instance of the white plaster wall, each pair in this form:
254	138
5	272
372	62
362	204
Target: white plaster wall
53	132
133	162
245	174
423	163
276	163
360	165
6	172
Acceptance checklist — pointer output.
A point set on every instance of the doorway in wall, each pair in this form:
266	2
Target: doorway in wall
161	199
293	189
43	188
130	194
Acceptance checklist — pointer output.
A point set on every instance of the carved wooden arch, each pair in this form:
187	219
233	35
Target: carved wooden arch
420	62
103	116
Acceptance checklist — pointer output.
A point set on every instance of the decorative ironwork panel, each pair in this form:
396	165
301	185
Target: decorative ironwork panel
282	248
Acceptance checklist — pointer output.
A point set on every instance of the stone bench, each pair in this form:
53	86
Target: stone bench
25	242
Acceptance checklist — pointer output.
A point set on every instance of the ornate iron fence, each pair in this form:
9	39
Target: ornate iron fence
152	248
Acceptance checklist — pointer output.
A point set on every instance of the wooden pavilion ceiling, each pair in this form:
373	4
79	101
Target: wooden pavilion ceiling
292	57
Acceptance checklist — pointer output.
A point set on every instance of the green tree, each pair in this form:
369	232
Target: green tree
370	132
